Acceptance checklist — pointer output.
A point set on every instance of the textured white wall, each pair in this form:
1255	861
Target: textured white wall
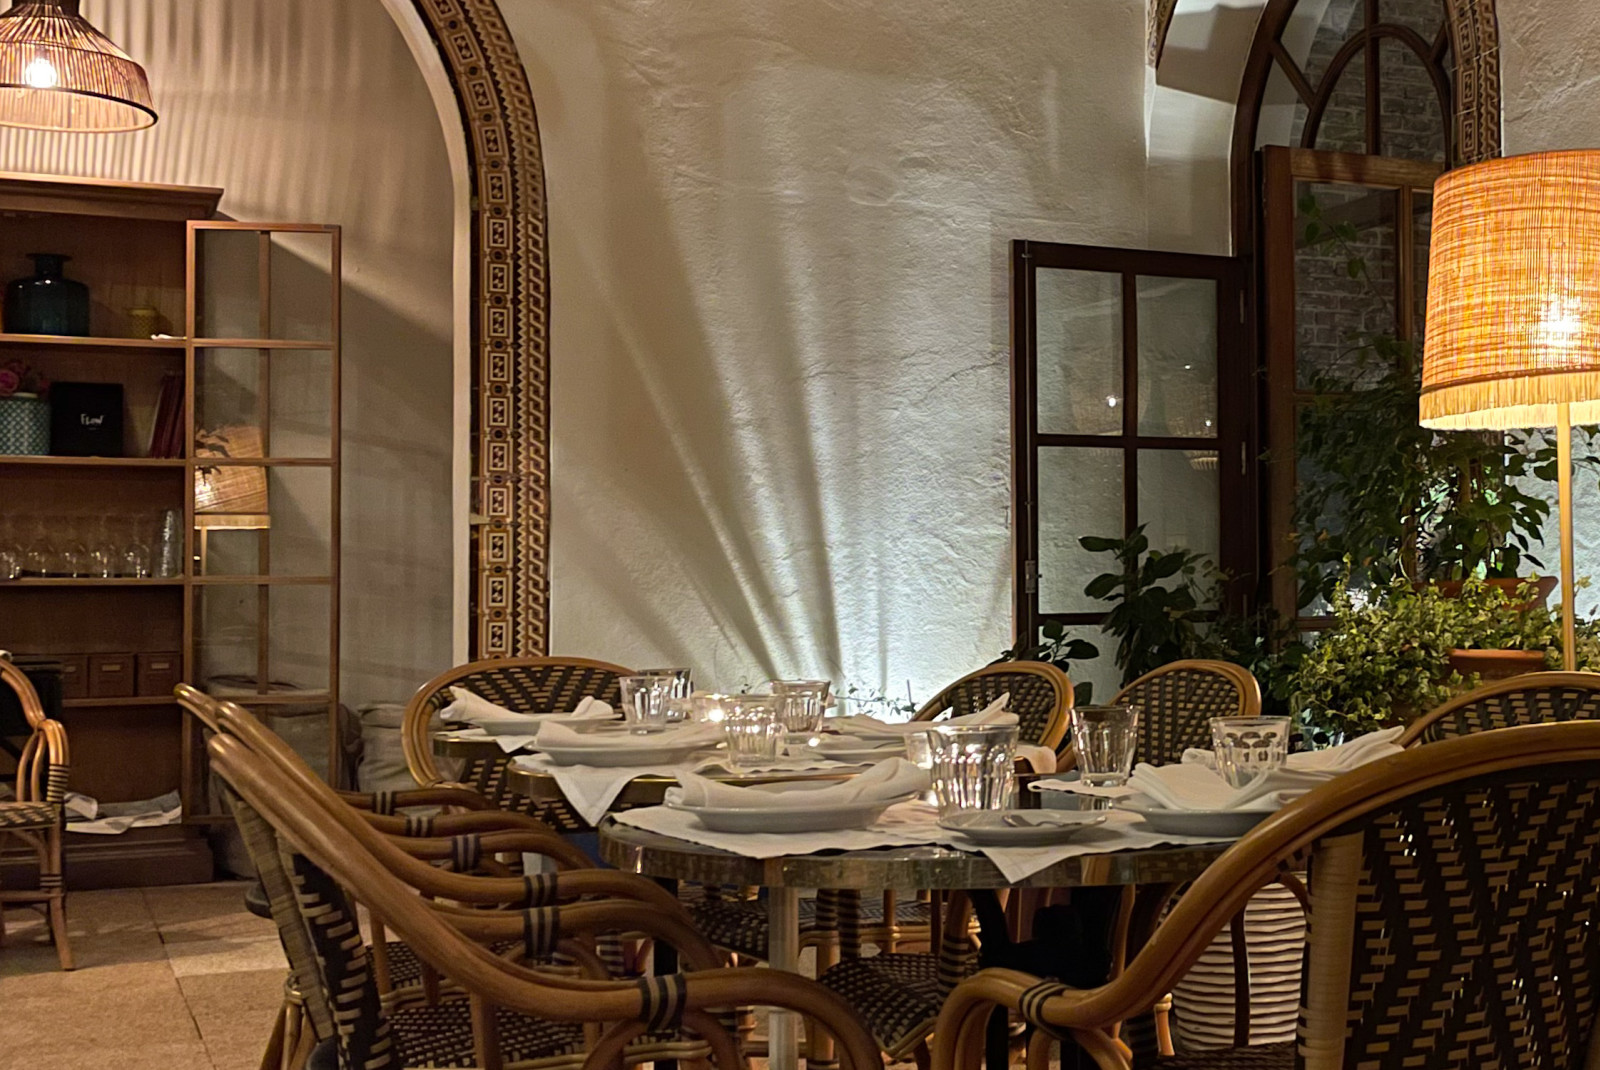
779	257
317	112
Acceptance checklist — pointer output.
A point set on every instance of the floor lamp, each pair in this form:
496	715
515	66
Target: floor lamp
1513	328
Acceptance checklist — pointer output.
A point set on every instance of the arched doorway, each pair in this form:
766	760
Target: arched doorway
503	313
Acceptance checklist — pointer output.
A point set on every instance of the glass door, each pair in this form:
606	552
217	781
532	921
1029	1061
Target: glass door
1131	399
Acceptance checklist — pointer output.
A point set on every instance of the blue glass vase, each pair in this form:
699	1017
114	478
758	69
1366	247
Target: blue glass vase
49	302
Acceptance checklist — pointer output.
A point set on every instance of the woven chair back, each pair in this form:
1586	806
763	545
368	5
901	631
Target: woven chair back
1177	702
1041	697
523	684
1533	698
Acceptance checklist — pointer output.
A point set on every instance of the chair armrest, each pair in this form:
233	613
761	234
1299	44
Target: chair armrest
468	849
441	794
458	824
589	919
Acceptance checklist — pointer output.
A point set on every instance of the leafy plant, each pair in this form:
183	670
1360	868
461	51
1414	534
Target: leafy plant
1387	657
1060	650
1156	601
1394	498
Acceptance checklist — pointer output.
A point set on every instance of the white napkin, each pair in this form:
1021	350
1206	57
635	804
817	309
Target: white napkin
892	779
554	733
861	725
485	714
1041	759
1193	784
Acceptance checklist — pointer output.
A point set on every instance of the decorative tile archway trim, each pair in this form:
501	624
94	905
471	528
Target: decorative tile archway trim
1474	41
510	328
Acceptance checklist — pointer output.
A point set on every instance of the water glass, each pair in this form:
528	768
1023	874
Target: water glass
683	685
1105	738
801	703
1248	748
644	701
753	729
974	767
710	707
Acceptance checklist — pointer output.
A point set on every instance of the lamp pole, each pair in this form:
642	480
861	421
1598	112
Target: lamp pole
1569	631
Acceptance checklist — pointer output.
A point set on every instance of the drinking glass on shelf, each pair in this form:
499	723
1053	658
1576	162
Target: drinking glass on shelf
11	553
1248	748
37	556
801	703
753	730
135	559
974	767
105	556
644	701
1105	738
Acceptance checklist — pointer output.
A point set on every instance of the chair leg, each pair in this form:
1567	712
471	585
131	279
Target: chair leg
51	880
1163	1016
272	1057
289	1048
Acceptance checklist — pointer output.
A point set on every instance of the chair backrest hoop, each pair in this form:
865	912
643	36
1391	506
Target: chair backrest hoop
1178	700
1041	697
1532	698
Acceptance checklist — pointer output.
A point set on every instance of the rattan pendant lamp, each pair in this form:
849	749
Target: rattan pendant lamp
1513	327
57	72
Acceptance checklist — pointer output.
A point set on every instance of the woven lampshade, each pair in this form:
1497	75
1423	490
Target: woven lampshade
1514	294
57	72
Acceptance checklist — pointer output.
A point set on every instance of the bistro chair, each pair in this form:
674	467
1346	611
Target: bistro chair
518	684
1041	697
514	1013
1532	698
1455	890
35	816
1176	704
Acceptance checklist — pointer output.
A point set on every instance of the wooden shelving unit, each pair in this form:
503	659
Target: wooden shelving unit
252	315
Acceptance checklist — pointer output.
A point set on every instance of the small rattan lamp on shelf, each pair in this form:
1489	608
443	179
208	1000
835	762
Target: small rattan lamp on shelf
57	72
1514	310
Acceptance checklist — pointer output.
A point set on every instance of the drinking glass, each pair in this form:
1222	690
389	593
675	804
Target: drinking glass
1248	748
711	707
801	703
136	556
683	685
753	729
974	767
1105	738
11	548
644	701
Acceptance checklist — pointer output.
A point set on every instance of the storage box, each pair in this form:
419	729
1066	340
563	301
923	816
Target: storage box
74	675
86	419
159	673
24	426
111	676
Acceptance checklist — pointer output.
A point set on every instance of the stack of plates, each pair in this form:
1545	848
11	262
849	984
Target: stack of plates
1202	1003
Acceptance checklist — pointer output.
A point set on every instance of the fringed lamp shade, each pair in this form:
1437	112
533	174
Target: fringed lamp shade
1513	327
57	72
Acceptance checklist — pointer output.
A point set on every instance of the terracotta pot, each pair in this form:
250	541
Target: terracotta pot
1496	664
1544	587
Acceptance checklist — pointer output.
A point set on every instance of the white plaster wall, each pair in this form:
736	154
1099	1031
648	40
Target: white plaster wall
1550	65
311	111
779	259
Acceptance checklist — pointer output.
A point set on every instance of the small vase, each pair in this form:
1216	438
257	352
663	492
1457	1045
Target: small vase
49	302
24	426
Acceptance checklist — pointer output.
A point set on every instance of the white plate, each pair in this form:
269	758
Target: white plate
1021	828
799	818
618	751
1220	823
858	748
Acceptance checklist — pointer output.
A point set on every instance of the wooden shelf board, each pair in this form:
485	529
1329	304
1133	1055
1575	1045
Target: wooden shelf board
262	343
92	581
264	462
76	342
276	698
262	581
92	462
130	700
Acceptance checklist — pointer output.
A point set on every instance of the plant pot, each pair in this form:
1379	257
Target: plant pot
1544	586
1496	664
24	426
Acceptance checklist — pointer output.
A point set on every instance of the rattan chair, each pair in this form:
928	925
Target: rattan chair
1532	698
514	1014
1176	704
524	684
1456	888
1041	697
35	816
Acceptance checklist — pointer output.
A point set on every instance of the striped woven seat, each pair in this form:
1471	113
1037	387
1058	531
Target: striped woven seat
898	996
1256	1057
29	815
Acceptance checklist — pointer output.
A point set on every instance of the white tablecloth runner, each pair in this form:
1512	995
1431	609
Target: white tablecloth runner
906	824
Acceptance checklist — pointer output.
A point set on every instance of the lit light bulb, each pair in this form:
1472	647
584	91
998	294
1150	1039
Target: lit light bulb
41	74
1111	401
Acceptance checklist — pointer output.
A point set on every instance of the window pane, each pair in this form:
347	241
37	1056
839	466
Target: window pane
1414	127
1421	241
1336	312
1344	123
1178	500
1079	316
1177	357
1080	493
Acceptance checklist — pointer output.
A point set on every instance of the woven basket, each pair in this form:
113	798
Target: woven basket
24	426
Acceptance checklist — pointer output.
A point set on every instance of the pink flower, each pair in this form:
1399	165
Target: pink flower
9	382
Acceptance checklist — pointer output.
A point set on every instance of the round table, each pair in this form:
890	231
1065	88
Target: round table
901	869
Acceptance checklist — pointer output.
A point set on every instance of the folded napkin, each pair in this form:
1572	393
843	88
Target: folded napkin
485	714
1041	759
1193	785
557	734
888	780
861	725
